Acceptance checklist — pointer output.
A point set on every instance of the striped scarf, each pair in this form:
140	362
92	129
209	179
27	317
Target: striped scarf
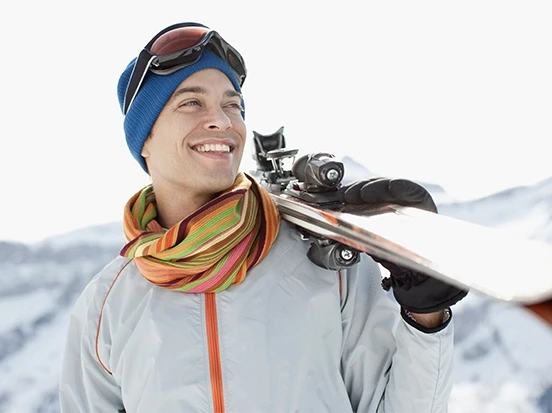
210	249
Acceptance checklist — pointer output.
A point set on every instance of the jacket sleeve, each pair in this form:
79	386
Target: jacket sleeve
387	365
85	386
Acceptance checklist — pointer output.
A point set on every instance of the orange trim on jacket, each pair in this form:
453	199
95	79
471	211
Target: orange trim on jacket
101	316
215	367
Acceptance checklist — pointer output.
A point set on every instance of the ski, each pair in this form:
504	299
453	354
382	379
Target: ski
465	254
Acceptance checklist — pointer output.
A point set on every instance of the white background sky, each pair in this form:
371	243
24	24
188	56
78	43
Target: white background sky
455	93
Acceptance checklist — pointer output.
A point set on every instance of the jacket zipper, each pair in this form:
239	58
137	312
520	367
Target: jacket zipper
215	367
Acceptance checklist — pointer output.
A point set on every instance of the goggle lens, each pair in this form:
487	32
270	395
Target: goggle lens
178	39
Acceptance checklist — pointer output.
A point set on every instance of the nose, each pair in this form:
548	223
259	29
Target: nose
218	119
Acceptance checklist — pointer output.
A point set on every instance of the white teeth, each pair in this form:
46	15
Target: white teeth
213	148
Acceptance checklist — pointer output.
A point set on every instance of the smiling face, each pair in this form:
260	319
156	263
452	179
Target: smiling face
196	144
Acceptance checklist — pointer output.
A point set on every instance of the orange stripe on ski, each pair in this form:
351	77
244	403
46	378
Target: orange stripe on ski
328	216
542	310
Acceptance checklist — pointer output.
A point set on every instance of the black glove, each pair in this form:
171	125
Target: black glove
414	291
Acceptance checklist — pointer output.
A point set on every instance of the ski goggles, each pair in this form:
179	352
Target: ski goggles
178	46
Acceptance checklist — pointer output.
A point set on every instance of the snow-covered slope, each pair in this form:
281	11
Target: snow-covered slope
38	287
503	357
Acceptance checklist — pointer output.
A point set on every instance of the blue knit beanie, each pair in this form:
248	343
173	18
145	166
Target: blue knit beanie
154	93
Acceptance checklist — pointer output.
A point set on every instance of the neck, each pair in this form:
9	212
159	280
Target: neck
173	205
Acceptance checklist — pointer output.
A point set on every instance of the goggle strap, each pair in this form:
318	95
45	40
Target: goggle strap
135	82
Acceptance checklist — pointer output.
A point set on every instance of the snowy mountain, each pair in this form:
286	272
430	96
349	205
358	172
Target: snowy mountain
525	211
503	357
355	170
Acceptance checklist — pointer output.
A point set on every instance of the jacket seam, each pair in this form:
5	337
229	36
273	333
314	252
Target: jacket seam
438	376
340	286
100	317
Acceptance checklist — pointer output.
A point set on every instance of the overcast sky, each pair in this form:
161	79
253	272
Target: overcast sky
455	93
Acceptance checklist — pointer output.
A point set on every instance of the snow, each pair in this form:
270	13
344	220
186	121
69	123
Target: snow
510	397
503	357
19	311
31	388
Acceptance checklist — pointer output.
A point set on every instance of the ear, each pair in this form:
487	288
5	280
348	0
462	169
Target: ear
145	149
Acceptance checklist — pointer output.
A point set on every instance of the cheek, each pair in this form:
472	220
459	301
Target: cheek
239	126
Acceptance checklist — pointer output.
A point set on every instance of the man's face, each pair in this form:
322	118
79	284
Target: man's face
197	142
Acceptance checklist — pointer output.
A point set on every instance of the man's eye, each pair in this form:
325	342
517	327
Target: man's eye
190	103
235	105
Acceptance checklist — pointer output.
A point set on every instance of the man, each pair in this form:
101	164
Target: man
213	305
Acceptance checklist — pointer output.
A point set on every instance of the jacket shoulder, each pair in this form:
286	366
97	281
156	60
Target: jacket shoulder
97	288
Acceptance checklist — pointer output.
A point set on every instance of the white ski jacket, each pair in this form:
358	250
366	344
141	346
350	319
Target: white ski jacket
291	337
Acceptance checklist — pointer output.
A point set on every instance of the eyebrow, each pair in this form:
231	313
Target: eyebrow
202	91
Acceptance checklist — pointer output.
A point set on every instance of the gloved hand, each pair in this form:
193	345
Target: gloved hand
414	291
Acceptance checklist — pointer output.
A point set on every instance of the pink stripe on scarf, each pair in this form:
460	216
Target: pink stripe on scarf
221	273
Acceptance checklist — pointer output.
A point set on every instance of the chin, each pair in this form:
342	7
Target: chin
222	182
